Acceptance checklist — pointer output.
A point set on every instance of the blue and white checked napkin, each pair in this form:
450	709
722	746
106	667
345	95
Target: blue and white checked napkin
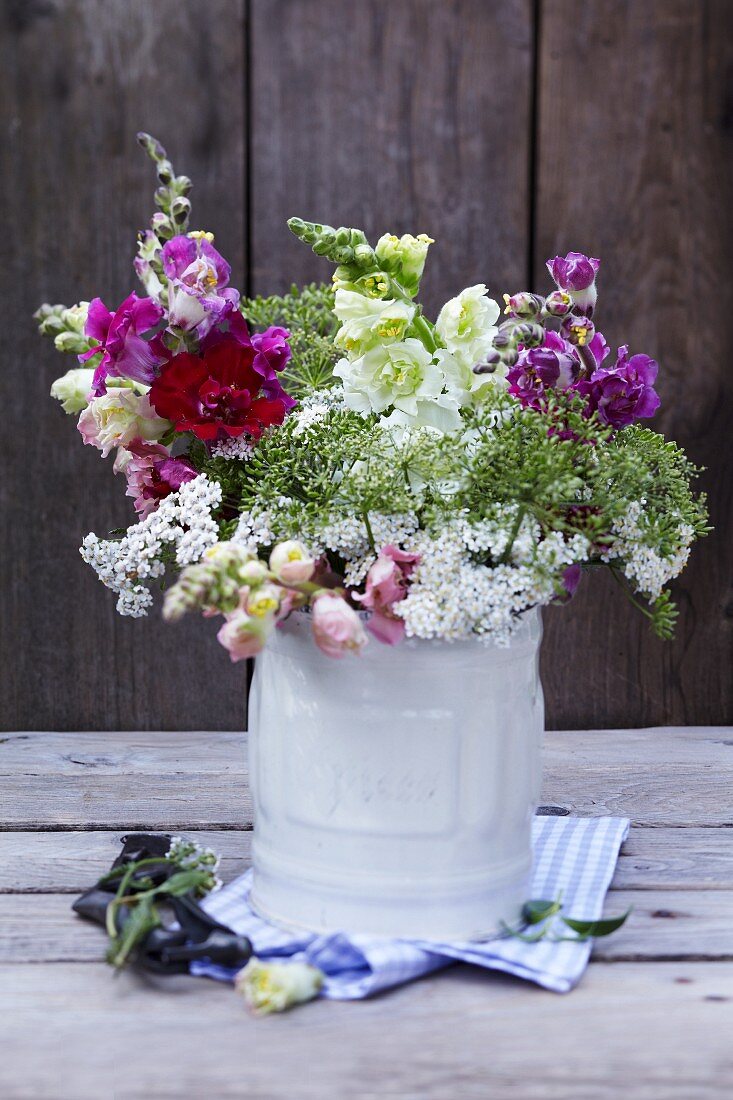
573	856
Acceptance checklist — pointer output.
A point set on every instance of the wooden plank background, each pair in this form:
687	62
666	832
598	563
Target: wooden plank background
508	130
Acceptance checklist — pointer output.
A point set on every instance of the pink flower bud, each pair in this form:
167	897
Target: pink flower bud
244	636
337	628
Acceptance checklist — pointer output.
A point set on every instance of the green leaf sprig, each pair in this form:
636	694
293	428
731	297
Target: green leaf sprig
538	923
144	884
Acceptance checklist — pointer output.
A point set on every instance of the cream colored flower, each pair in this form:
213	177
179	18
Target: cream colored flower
119	416
392	374
406	255
467	325
367	321
73	388
275	986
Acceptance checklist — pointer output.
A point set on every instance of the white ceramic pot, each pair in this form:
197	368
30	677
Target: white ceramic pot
394	791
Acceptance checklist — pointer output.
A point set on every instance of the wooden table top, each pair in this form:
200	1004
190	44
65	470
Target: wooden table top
652	1017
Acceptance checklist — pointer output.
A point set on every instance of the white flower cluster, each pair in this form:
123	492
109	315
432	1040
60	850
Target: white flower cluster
182	519
254	531
645	568
452	597
350	539
241	448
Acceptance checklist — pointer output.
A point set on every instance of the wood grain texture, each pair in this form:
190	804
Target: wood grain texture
67	862
669	925
457	1033
74	782
409	117
634	165
80	77
648	1028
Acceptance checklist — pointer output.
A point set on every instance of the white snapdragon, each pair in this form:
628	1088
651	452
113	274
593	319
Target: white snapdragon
405	254
467	326
72	389
183	520
401	376
367	321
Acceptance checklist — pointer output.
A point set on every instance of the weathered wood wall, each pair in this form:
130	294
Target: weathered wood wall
509	130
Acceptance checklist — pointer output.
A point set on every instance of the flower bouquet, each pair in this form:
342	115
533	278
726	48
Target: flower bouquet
332	472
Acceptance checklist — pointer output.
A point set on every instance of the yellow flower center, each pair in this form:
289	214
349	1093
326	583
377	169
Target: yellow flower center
201	235
390	328
263	606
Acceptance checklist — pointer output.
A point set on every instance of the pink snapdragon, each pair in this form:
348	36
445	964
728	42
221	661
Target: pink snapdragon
386	585
152	474
337	629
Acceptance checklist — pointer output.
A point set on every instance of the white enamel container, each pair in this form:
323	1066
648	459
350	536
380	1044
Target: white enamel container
394	791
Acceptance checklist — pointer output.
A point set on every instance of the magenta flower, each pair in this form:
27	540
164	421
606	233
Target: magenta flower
386	585
198	276
151	473
571	579
576	274
129	346
625	392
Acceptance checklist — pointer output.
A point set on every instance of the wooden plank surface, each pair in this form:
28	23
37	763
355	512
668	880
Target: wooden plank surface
79	79
634	166
650	1031
68	862
651	1018
668	925
80	784
393	117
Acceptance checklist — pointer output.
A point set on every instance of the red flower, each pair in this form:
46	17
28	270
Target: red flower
219	394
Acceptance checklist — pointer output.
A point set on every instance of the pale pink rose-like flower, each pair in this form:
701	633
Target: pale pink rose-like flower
291	562
386	585
337	629
118	417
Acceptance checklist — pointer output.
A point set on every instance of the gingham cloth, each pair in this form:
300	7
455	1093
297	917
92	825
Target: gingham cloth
573	856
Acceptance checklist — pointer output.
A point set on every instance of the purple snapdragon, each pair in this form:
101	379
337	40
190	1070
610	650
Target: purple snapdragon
624	392
199	296
575	273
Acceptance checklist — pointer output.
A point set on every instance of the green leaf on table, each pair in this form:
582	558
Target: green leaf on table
593	929
538	910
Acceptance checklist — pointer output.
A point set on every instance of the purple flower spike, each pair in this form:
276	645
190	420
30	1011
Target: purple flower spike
199	296
126	353
576	274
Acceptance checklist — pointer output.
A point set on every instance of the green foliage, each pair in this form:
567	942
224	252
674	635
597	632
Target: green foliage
537	924
306	312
